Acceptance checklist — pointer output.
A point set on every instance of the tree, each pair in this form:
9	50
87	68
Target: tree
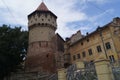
13	47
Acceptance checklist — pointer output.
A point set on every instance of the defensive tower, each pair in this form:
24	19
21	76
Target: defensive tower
42	26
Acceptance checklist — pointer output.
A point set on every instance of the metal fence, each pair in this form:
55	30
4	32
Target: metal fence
87	73
116	69
53	77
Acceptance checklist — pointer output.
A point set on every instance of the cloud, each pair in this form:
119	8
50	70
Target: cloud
62	8
98	16
68	11
99	1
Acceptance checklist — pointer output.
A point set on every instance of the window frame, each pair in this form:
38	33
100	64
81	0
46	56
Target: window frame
112	58
83	54
99	49
90	52
107	45
78	56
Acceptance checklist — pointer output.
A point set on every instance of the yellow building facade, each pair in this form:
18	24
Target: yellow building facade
104	42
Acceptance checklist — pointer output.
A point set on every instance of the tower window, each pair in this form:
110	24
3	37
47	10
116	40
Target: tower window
48	19
108	46
42	19
99	48
46	24
47	55
35	19
39	44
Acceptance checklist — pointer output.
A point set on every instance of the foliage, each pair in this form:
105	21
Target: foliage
13	47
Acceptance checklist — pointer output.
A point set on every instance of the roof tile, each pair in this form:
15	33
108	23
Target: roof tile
42	7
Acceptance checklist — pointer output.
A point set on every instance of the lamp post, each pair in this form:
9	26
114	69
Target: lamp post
99	29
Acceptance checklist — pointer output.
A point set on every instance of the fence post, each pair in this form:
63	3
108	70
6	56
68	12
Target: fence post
62	74
80	65
103	70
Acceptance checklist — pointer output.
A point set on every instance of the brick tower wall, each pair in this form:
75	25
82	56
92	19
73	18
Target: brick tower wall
41	57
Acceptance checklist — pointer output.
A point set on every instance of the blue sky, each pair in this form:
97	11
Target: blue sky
73	15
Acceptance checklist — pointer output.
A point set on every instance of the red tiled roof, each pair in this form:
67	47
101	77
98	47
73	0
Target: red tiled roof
42	7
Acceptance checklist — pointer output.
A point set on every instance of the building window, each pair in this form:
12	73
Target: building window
78	56
108	46
112	59
48	19
83	54
81	43
90	51
74	57
99	48
87	40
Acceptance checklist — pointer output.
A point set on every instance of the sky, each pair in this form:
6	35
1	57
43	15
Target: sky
73	15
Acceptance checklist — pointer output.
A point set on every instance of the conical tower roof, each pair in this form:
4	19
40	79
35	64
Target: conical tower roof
42	7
